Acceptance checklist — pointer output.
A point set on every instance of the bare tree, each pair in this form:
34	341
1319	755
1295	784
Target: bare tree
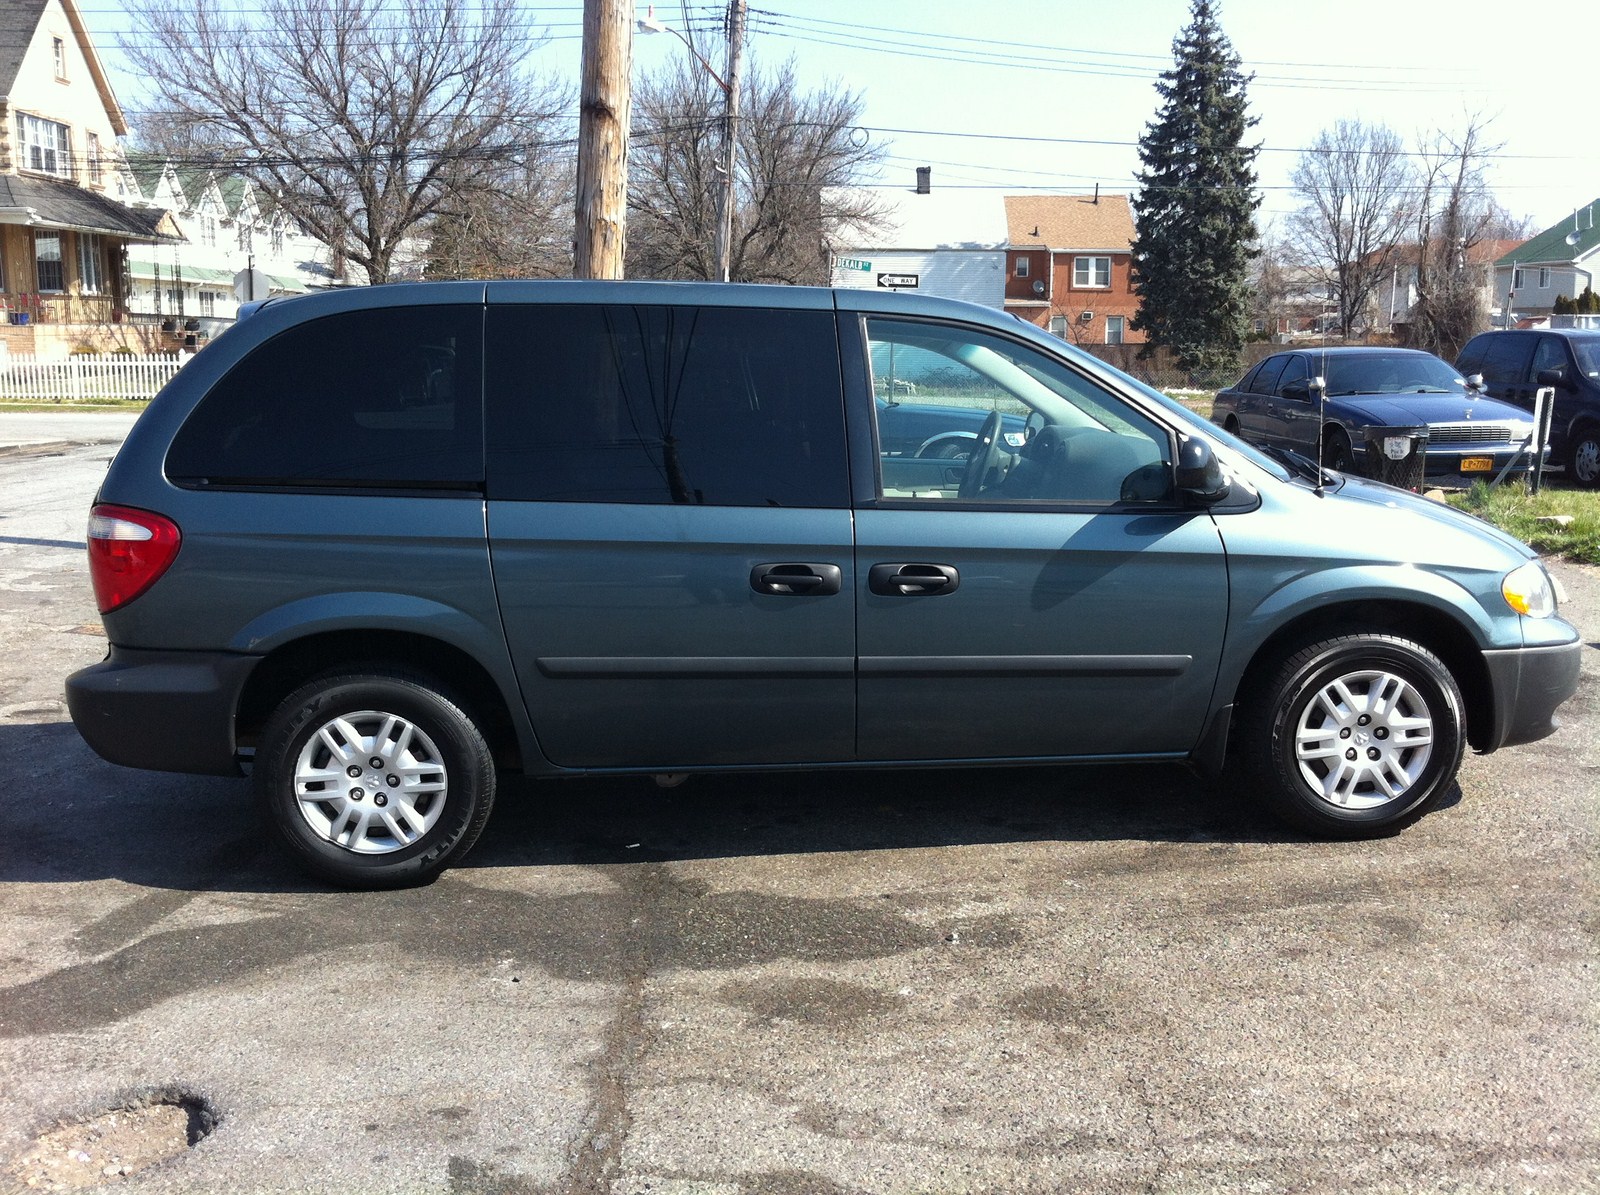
1354	182
798	154
519	226
360	118
1456	213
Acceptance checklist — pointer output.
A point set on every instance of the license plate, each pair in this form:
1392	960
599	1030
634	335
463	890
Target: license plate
1477	464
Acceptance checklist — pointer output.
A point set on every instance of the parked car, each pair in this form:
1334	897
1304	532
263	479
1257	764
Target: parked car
378	545
1515	363
1274	405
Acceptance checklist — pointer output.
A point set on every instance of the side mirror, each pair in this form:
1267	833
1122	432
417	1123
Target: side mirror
1552	377
1200	476
1475	381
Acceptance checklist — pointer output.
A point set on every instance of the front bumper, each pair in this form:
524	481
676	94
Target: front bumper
169	711
1527	684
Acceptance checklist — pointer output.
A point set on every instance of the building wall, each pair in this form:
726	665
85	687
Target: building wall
73	101
972	275
1068	301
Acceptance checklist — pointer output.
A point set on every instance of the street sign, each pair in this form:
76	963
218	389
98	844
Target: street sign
900	281
855	263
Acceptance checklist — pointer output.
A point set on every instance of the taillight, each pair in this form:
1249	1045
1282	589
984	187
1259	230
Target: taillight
128	551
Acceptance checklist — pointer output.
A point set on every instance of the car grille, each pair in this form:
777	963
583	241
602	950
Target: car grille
1468	433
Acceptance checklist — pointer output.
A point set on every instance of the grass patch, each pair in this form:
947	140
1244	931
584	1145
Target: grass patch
1563	523
54	408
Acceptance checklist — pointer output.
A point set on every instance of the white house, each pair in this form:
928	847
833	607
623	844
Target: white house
1561	260
946	243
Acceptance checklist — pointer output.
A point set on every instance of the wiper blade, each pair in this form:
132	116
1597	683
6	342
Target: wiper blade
1296	462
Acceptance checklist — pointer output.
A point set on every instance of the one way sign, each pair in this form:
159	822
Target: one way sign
900	281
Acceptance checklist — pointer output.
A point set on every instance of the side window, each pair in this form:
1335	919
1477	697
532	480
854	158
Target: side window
1266	379
1471	360
1505	359
1243	384
1551	353
716	406
966	415
1295	370
384	398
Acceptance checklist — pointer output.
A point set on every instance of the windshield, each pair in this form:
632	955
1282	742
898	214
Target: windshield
1389	373
1588	354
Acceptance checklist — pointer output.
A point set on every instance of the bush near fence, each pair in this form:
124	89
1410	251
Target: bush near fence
86	377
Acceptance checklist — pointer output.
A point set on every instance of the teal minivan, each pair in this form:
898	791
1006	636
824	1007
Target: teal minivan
380	546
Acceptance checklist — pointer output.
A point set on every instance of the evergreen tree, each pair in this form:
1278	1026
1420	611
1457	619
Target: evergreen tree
1195	211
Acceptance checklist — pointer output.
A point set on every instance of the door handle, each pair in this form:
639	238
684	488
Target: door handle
797	580
912	580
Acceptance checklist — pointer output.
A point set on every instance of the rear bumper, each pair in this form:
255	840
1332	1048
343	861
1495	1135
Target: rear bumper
169	711
1528	684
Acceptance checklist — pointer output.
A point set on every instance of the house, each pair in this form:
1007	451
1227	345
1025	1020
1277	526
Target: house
949	243
66	227
1069	266
1561	260
1397	292
228	229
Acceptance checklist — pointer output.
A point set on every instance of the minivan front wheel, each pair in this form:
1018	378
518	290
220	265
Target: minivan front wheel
1583	458
1354	735
374	781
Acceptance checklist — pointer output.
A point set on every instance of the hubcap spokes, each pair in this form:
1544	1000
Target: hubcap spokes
1364	739
370	782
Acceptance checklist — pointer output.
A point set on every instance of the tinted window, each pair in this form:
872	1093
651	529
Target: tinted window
367	398
1243	383
1551	353
1266	379
720	406
1390	373
1295	371
1505	358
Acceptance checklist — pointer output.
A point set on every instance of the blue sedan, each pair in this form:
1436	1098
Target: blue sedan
1275	405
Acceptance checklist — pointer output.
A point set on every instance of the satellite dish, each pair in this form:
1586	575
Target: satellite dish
1038	286
1574	237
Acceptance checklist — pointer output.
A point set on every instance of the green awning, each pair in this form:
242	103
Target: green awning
141	268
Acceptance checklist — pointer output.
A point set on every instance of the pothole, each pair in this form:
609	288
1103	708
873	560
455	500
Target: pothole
144	1128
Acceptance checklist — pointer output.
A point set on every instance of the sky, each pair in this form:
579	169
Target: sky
1052	95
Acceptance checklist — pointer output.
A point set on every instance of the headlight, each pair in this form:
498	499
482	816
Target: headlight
1528	590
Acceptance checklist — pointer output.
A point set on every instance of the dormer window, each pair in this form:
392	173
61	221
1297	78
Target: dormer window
59	49
46	146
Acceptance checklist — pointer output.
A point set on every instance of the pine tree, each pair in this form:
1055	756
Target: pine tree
1195	211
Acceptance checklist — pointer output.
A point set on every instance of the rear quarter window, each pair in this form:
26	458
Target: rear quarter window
388	398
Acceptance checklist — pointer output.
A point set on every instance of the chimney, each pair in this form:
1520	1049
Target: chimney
924	179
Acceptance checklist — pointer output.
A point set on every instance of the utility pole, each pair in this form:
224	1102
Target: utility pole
605	100
730	134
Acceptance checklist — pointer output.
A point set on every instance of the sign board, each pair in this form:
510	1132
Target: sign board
900	281
855	263
250	285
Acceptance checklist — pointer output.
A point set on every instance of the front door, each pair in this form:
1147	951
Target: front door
1059	602
670	533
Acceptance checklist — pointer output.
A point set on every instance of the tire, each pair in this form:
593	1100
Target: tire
1583	458
953	449
1388	700
1336	452
424	775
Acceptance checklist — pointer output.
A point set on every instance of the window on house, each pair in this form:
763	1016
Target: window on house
246	236
1544	278
91	264
1022	267
208	227
47	262
59	49
46	146
1058	326
1516	279
1114	329
175	299
277	236
94	157
1091	271
208	302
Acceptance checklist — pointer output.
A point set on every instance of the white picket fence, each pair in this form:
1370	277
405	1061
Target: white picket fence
107	377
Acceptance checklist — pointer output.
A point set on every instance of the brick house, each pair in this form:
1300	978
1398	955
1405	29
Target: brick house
1069	266
64	228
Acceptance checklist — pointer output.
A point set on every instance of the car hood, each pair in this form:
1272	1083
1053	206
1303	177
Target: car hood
1360	489
1406	410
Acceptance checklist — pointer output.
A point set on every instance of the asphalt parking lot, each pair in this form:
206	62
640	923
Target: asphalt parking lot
811	984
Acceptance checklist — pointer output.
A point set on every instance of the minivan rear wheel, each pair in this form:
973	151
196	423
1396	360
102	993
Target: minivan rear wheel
1354	736
374	781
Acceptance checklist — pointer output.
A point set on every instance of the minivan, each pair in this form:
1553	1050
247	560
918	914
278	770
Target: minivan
1515	363
381	546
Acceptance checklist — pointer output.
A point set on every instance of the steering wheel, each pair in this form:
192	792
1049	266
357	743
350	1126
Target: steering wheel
985	456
